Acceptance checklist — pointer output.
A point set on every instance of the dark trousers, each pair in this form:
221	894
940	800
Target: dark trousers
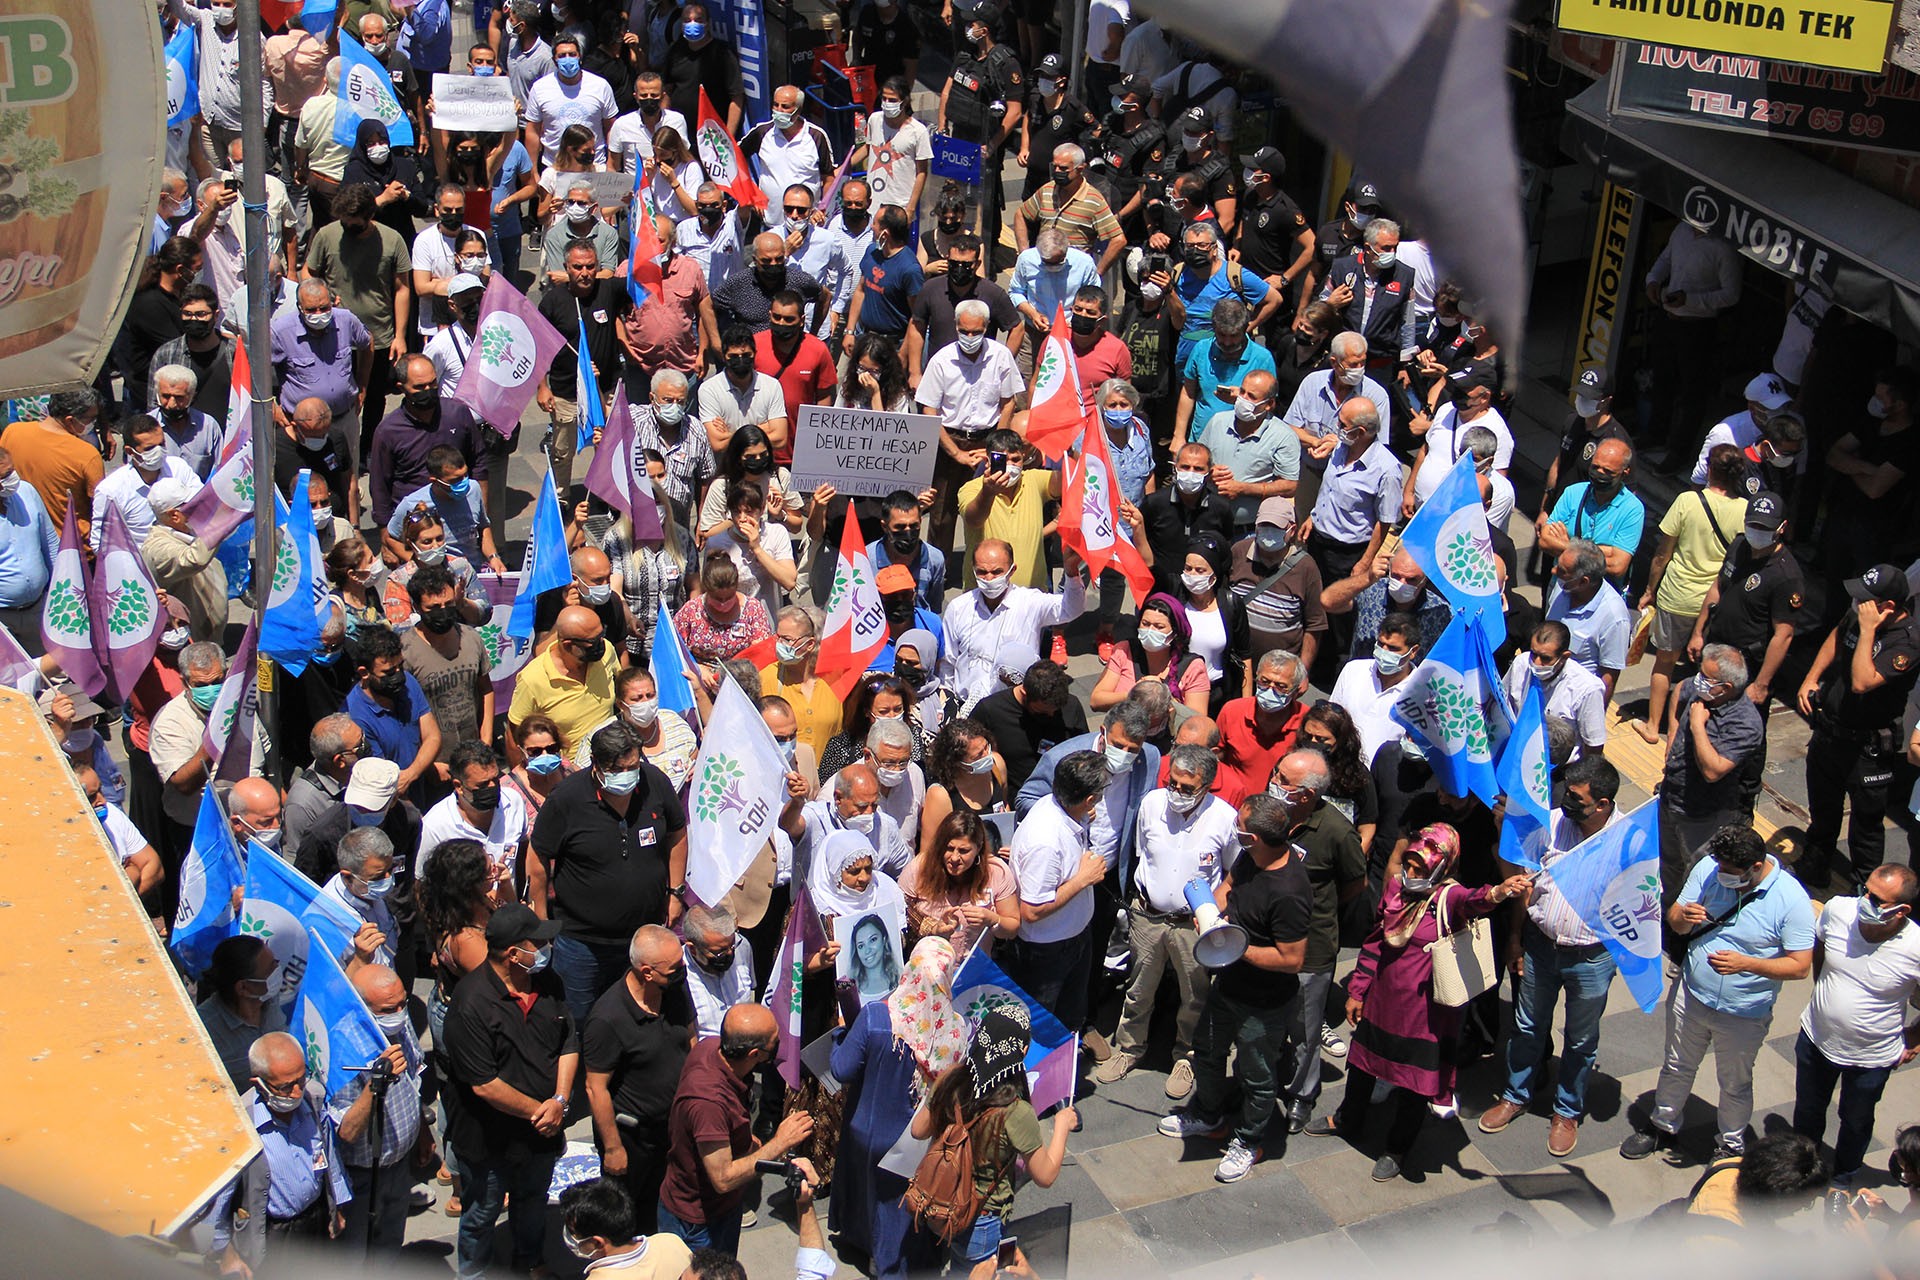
1841	772
1686	368
1681	840
379	379
1106	906
646	1169
1860	1090
1406	1110
389	1213
1259	1033
1336	560
586	970
1054	974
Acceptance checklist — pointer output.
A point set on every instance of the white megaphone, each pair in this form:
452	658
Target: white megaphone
1221	942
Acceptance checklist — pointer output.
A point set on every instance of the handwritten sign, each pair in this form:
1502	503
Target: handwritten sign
863	452
479	104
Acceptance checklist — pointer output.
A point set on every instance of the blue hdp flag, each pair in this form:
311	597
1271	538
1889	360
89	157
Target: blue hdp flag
183	75
209	874
332	1022
318	12
282	907
297	596
546	565
1454	703
1525	775
1053	1055
1612	881
366	93
670	664
593	415
1449	539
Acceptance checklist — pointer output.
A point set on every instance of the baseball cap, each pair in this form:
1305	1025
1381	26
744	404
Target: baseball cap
1595	384
1196	120
1363	195
169	493
516	922
892	578
371	785
84	708
1276	511
465	282
1882	582
1768	391
1134	85
1268	160
1050	66
1767	511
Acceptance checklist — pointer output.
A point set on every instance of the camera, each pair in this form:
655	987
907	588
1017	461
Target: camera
787	1169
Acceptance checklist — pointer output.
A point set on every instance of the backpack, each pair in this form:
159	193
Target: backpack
941	1196
1235	277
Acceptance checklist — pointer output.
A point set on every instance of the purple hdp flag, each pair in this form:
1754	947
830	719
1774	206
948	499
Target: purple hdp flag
804	936
66	617
513	346
229	735
1428	70
619	473
219	506
125	607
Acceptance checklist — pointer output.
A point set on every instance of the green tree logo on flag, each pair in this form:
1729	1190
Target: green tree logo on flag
719	787
1464	552
67	609
286	567
1461	721
132	609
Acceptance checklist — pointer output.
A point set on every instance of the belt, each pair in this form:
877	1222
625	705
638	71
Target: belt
315	1210
1139	904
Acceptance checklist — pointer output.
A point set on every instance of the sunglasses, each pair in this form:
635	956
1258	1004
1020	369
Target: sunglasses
534	753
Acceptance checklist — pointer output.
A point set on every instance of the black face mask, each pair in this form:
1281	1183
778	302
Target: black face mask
963	273
899	612
785	333
596	648
423	400
1603	488
175	415
739	366
771	277
954	227
390	685
852	219
1198	259
903	542
439	619
451	221
710	218
467	155
910	673
197	330
756	466
484	798
1084	325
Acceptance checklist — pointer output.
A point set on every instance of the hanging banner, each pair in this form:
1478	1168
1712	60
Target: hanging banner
1848	34
1779	99
1609	291
77	195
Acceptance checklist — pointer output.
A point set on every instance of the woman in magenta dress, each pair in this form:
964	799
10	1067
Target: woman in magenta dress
1402	1035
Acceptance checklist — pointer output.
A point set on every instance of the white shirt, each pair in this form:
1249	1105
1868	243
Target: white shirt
783	161
1444	447
1548	908
1576	695
1102	17
1703	266
1856	1014
1147	51
630	136
754	580
1358	690
759	404
976	635
967	391
449	349
1417	255
714	994
1810	306
502	838
1171	849
1047	848
894	156
717	254
127	489
433	254
1110	816
902	803
553	105
1742	433
122	834
1223	106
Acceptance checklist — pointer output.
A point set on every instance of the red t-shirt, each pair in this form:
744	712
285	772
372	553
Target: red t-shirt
709	1107
803	380
1247	756
1110	358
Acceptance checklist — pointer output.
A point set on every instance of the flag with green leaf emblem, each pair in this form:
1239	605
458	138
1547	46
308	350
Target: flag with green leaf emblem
738	790
66	616
803	938
125	607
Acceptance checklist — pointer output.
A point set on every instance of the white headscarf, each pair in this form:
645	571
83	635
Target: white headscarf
831	895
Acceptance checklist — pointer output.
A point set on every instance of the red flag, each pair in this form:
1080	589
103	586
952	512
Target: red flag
720	157
1097	535
643	267
856	622
1054	409
761	653
276	12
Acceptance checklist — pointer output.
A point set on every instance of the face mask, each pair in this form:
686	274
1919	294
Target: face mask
1151	293
577	212
9	486
81	740
204	696
1389	663
393	1023
1267	699
1403	592
642	714
596	593
978	37
1418	886
670	412
269	986
485	797
783	119
1547	672
860	822
1184	803
484	71
1014	472
1084	325
740	365
1700	685
904	542
1603	488
1191	143
620	783
1268	544
1384	259
176	638
451	222
430	555
1199	258
378	888
890	777
693	30
390	685
1871	912
323	517
1117	419
1119	104
1154	640
423	400
268	839
1728	880
1197	582
970	343
993	588
1876	408
1119	759
542	956
1189	482
439	619
473	264
787	653
568	67
317	321
893	110
1246	410
282	1106
379	151
543	765
983	765
1361	220
225	17
328	657
1760	539
148	459
198	330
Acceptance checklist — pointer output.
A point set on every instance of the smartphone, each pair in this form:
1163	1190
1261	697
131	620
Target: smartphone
1157	262
1009	1251
231	184
996	463
849	997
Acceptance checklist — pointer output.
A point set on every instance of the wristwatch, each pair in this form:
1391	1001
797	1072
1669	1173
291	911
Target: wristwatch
678	891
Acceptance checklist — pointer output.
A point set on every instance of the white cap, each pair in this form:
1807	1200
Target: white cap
465	282
169	493
371	785
1768	391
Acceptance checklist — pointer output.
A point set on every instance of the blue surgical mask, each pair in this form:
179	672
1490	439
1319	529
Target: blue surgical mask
377	889
1270	699
327	657
484	71
621	783
1389	663
541	957
543	765
204	695
1871	912
569	67
693	30
1117	419
462	487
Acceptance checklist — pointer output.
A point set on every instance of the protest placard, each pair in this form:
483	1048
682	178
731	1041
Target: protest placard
863	452
482	104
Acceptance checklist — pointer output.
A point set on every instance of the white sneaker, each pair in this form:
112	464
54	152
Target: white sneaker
1180	1079
1236	1163
1188	1124
1330	1043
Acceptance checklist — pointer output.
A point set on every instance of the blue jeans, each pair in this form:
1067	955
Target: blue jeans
586	970
484	1188
1584	974
980	1243
1860	1089
1260	1034
723	1235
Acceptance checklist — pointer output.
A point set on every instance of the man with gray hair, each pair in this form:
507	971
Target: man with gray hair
664	424
183	564
1184	834
403	1141
364	883
1314	413
1045	279
1075	206
1596	614
1715	729
1359	498
719	969
970	386
192	436
1203	279
903	786
315	818
1217	368
322	351
176	745
1373	291
1255	731
632	1046
579	220
852	803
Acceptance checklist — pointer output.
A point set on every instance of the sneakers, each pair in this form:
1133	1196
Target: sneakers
1095	1045
1180	1079
1643	1143
1190	1124
1116	1068
749	1218
1330	1043
1563	1137
1237	1163
1500	1115
1057	653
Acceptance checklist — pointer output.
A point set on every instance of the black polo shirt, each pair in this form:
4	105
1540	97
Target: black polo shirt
1024	737
489	1036
1170	522
1756	592
933	313
1269	235
1274	906
1330	244
642	1051
564	309
613	614
1049	127
608	873
1896	656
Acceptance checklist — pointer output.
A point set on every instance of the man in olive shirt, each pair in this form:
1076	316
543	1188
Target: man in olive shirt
1277	586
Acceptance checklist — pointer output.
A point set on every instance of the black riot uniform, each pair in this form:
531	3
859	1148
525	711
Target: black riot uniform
984	82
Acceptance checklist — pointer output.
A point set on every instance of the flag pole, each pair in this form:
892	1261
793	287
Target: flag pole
253	188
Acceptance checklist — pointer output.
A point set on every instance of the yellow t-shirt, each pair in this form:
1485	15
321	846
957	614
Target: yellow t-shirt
1017	522
1697	550
818	717
577	706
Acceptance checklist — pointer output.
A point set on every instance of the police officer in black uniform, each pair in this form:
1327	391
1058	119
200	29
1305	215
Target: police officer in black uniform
984	101
1756	605
1854	696
1339	237
1053	116
1199	153
1273	239
1127	155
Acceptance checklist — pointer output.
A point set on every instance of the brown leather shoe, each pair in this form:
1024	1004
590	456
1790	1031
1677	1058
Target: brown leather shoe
1563	1136
1500	1115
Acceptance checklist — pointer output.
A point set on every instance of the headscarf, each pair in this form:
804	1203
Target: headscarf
999	1048
831	896
361	166
1429	857
1182	636
1212	548
922	1013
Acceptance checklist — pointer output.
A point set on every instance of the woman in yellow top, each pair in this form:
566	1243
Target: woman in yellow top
1695	535
796	638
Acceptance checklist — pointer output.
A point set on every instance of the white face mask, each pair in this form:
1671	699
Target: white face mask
1584	407
890	777
994	588
643	713
1190	481
379	151
1184	803
893	110
1191	143
148	459
1727	880
577	212
970	343
1403	592
1247	409
1014	472
1389	663
1154	640
1352	377
1197	582
783	119
473	263
671	412
225	15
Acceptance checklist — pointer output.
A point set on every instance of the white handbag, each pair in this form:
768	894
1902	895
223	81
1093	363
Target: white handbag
1462	959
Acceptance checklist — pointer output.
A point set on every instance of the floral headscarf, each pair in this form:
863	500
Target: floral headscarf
922	1013
1428	861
